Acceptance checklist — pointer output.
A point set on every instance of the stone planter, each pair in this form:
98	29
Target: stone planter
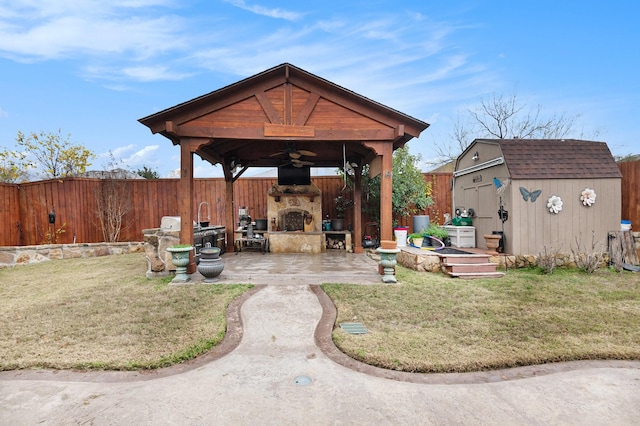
210	265
493	242
180	258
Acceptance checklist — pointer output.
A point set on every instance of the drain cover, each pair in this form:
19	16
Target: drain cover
353	327
302	380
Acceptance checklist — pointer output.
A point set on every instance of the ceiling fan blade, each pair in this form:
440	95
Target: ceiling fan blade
307	153
277	153
301	162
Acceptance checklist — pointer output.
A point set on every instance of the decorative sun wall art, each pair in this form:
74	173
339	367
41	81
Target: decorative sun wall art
588	197
554	204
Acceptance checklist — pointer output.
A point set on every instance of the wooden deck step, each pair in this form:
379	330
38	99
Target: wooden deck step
465	258
474	275
470	267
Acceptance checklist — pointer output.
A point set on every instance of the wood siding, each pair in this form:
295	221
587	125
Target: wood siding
24	208
531	227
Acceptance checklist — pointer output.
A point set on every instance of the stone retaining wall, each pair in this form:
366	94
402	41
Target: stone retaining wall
22	255
419	261
426	261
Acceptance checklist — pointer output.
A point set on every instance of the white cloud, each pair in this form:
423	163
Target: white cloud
153	73
3	113
39	9
205	170
264	11
119	152
141	157
134	73
70	36
143	41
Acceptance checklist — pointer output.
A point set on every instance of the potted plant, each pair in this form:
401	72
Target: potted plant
416	239
437	232
180	258
341	205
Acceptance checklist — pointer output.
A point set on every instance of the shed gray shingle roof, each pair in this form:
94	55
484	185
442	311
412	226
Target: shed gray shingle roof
557	159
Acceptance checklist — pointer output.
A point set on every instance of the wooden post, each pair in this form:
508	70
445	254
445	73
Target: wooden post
386	192
384	149
185	198
357	210
228	212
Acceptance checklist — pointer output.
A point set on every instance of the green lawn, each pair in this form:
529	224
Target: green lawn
103	313
431	323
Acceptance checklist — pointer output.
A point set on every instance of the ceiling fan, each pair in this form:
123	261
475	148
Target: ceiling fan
293	153
300	163
295	156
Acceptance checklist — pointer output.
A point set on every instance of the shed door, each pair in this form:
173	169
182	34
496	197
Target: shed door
470	201
483	200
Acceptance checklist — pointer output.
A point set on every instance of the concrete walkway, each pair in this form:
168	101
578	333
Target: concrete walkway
279	374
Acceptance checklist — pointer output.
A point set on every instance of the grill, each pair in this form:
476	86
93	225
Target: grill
215	235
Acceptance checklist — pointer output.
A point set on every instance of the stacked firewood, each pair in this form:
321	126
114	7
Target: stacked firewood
335	243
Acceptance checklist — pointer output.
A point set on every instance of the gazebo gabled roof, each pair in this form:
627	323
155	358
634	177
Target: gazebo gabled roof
254	120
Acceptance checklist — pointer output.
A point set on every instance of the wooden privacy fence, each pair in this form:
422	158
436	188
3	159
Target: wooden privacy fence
24	208
631	192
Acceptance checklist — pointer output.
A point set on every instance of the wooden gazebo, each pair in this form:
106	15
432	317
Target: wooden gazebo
285	108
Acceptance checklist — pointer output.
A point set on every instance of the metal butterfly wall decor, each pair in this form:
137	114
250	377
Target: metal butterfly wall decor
533	195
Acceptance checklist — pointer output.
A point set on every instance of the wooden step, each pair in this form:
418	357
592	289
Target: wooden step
470	267
474	275
465	258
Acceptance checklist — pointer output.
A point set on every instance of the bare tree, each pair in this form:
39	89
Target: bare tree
503	117
113	203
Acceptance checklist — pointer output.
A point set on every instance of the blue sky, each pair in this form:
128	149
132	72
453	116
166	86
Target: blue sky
92	68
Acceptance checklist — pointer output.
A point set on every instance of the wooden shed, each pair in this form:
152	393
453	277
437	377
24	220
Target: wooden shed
557	193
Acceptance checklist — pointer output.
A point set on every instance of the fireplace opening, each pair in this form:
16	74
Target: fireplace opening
292	219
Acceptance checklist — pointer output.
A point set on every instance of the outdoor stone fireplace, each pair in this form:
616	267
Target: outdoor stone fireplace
295	217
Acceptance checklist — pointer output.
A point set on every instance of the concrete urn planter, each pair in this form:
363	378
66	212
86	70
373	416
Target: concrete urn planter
210	265
388	263
180	258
